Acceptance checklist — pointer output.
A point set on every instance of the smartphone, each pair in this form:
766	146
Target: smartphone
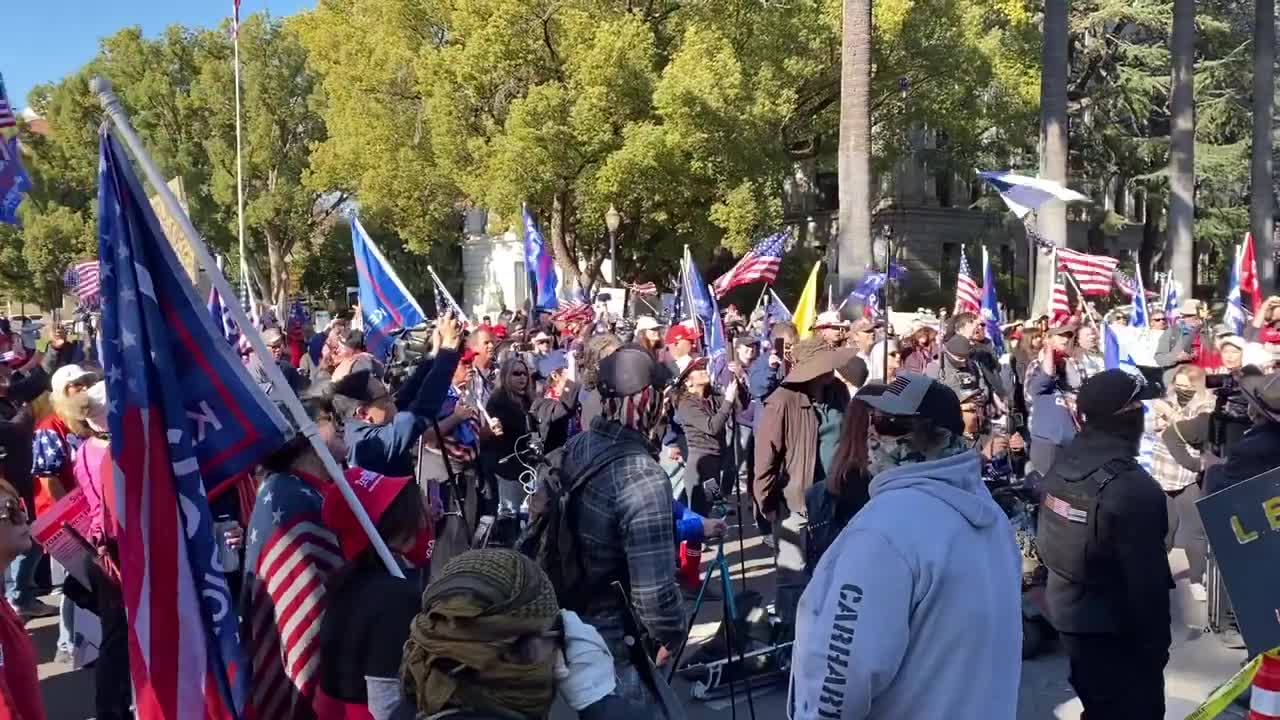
778	344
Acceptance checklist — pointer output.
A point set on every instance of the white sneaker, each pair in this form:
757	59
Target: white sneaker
1199	593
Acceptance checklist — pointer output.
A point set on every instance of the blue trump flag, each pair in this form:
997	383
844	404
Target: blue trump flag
385	303
990	306
184	418
14	180
708	316
540	266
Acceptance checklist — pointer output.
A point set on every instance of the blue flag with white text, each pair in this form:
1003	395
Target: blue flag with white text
385	303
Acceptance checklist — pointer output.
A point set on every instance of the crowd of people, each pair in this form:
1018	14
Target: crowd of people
521	472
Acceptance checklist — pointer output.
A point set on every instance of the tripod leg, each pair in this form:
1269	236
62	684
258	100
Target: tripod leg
693	618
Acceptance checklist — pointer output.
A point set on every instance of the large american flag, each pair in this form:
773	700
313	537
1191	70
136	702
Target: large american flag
83	280
577	310
7	118
759	265
289	557
1092	272
968	294
183	413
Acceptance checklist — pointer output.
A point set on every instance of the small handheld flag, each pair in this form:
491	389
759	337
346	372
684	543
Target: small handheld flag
7	118
386	305
1249	274
968	294
1139	316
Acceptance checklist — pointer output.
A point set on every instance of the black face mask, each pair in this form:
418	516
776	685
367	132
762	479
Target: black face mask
1184	395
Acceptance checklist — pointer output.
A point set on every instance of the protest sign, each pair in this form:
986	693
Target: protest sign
1243	526
62	530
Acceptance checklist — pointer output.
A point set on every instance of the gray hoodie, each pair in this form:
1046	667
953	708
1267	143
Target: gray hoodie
915	611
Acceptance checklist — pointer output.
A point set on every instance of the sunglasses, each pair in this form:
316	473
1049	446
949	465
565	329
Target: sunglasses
892	425
519	373
15	511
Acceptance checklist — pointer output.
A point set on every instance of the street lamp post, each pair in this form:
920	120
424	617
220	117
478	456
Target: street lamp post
612	220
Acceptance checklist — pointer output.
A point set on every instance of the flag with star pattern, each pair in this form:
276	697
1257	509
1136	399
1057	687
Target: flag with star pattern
184	416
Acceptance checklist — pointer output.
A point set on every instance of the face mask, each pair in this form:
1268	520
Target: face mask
1184	395
884	453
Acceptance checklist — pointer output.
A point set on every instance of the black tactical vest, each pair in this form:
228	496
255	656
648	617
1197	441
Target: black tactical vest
1067	530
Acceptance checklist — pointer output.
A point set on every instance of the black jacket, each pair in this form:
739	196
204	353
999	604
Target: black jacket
555	417
1256	452
516	423
17	428
1131	596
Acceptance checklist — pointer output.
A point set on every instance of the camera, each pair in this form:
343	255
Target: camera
1221	382
1230	416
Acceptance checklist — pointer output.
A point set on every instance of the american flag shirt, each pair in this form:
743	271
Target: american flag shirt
289	557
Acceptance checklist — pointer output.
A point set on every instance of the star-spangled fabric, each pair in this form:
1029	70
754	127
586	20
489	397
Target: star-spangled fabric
183	415
289	556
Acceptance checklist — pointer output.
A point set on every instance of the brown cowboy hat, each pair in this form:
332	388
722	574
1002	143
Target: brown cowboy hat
813	357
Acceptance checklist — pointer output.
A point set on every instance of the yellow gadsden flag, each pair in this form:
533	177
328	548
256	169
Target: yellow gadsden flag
807	307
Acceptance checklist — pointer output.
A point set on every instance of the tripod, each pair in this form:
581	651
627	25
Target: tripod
721	565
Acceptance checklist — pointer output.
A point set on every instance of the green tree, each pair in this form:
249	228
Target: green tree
686	117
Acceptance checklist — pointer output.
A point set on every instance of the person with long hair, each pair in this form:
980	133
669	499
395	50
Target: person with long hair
918	349
597	348
704	415
367	620
512	424
832	502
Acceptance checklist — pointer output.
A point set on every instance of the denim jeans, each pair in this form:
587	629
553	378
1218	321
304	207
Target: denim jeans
19	581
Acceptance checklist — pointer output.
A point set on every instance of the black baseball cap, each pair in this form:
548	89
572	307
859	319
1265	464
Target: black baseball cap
627	371
913	394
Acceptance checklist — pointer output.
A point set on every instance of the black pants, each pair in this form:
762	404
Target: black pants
1114	679
112	684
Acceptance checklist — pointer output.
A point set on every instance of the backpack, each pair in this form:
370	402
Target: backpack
551	538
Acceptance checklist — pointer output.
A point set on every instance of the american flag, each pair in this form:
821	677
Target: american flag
82	279
289	556
184	415
7	118
759	265
1093	273
643	288
1059	303
968	294
576	310
235	18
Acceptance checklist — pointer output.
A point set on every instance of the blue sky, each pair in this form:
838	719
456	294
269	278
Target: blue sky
47	39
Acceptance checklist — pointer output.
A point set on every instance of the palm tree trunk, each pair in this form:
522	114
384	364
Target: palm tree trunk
1052	216
1182	144
854	167
1262	205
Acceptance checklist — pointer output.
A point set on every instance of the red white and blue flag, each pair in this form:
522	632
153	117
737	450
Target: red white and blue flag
759	265
968	294
82	279
7	118
1093	273
184	416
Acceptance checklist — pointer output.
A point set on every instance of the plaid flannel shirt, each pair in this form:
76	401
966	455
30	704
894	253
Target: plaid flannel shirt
1166	470
626	527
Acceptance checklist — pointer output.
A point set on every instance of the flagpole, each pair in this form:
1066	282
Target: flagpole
101	87
441	288
235	44
759	300
1083	302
